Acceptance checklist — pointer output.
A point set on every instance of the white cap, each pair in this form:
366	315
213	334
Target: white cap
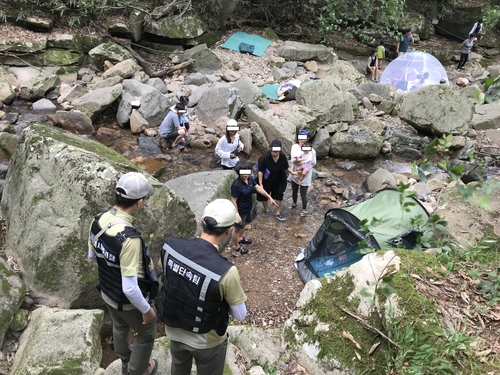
232	122
134	185
223	211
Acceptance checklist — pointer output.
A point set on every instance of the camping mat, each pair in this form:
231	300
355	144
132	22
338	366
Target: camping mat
271	91
258	42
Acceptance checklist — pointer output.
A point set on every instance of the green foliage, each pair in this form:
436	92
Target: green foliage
492	17
352	17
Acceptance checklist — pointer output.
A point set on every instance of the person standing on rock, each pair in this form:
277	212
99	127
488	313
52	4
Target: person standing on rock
200	289
464	53
242	191
127	280
229	146
404	43
170	127
273	178
295	152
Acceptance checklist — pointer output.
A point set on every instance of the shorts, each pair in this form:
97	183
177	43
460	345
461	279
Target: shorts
245	219
172	135
276	190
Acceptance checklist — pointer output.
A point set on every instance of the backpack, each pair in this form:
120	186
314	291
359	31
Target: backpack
246	48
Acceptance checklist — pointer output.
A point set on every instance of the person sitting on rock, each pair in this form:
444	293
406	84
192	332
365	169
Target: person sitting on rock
170	127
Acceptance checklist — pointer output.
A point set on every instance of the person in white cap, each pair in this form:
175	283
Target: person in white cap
127	280
229	145
200	289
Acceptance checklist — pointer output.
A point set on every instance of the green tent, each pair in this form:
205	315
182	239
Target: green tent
336	243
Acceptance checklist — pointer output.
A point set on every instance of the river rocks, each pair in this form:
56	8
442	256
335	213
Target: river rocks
437	108
73	121
487	116
124	69
358	142
108	51
250	93
153	105
204	187
11	298
328	104
58	182
36	87
22	46
205	61
405	143
259	137
96	101
43	105
218	102
303	51
273	126
78	90
380	179
66	341
345	72
186	27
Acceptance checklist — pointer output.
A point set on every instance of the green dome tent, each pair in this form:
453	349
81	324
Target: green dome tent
336	244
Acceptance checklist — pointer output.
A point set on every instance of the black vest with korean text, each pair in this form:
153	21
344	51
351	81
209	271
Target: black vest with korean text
107	249
190	298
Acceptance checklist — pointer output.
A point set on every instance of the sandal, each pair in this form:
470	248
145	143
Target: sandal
242	250
245	241
303	213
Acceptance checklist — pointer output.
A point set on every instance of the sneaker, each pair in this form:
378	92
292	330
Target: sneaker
180	145
245	241
152	367
280	218
242	250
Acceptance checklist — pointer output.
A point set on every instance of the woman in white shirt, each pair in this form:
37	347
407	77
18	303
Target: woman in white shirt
229	145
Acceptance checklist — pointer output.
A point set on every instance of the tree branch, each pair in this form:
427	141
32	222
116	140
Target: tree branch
369	327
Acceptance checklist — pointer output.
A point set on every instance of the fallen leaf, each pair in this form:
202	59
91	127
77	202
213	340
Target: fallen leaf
373	348
348	336
357	355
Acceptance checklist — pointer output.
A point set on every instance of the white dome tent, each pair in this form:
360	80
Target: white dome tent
413	70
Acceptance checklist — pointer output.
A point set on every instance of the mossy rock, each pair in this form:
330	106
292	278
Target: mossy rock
269	34
20	321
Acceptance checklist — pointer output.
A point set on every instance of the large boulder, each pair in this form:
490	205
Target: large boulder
7	93
250	93
12	296
74	122
108	51
417	23
468	223
153	105
380	179
124	69
328	104
77	91
405	143
358	142
298	51
218	102
60	342
303	118
205	60
204	187
57	183
96	101
273	126
259	137
376	88
345	74
439	109
321	143
185	27
36	87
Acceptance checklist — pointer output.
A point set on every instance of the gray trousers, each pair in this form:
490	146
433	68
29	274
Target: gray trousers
138	356
208	361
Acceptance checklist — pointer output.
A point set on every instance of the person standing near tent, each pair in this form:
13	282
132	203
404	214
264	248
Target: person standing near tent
229	145
477	29
464	53
296	151
372	66
405	42
272	177
242	190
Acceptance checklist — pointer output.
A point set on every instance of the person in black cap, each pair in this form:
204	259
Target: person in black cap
170	127
127	280
273	178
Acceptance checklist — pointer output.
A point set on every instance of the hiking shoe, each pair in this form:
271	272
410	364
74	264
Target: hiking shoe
242	250
152	367
180	145
280	218
245	241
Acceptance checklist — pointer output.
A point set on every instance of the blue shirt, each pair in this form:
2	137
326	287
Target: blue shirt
243	194
404	44
169	123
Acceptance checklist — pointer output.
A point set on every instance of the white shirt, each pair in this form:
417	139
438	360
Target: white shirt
296	151
224	150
